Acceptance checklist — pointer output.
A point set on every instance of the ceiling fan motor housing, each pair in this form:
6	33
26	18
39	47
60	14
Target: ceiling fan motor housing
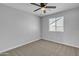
42	4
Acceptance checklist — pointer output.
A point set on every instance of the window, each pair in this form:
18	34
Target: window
56	24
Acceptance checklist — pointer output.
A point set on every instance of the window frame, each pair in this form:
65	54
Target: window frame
56	25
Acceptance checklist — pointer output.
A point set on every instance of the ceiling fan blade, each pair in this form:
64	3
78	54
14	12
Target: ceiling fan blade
37	9
35	4
50	6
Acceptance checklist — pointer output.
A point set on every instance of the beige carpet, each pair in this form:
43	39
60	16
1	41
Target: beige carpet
44	48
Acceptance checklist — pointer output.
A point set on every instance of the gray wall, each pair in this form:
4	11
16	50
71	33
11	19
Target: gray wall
17	28
70	36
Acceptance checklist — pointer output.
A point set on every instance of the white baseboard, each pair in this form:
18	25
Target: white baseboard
64	43
24	43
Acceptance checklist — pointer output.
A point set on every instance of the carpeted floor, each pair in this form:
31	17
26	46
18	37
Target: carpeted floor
44	48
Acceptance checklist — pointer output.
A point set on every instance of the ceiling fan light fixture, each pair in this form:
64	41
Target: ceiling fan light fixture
43	8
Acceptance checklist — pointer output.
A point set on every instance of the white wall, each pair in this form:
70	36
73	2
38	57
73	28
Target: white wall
17	28
71	26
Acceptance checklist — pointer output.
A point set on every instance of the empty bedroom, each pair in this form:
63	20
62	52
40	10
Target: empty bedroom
39	29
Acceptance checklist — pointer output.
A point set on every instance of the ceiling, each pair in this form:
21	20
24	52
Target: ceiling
30	8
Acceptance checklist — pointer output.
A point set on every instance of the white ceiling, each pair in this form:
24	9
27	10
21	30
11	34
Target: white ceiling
30	8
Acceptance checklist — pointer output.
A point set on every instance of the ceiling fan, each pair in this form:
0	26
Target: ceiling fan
42	7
